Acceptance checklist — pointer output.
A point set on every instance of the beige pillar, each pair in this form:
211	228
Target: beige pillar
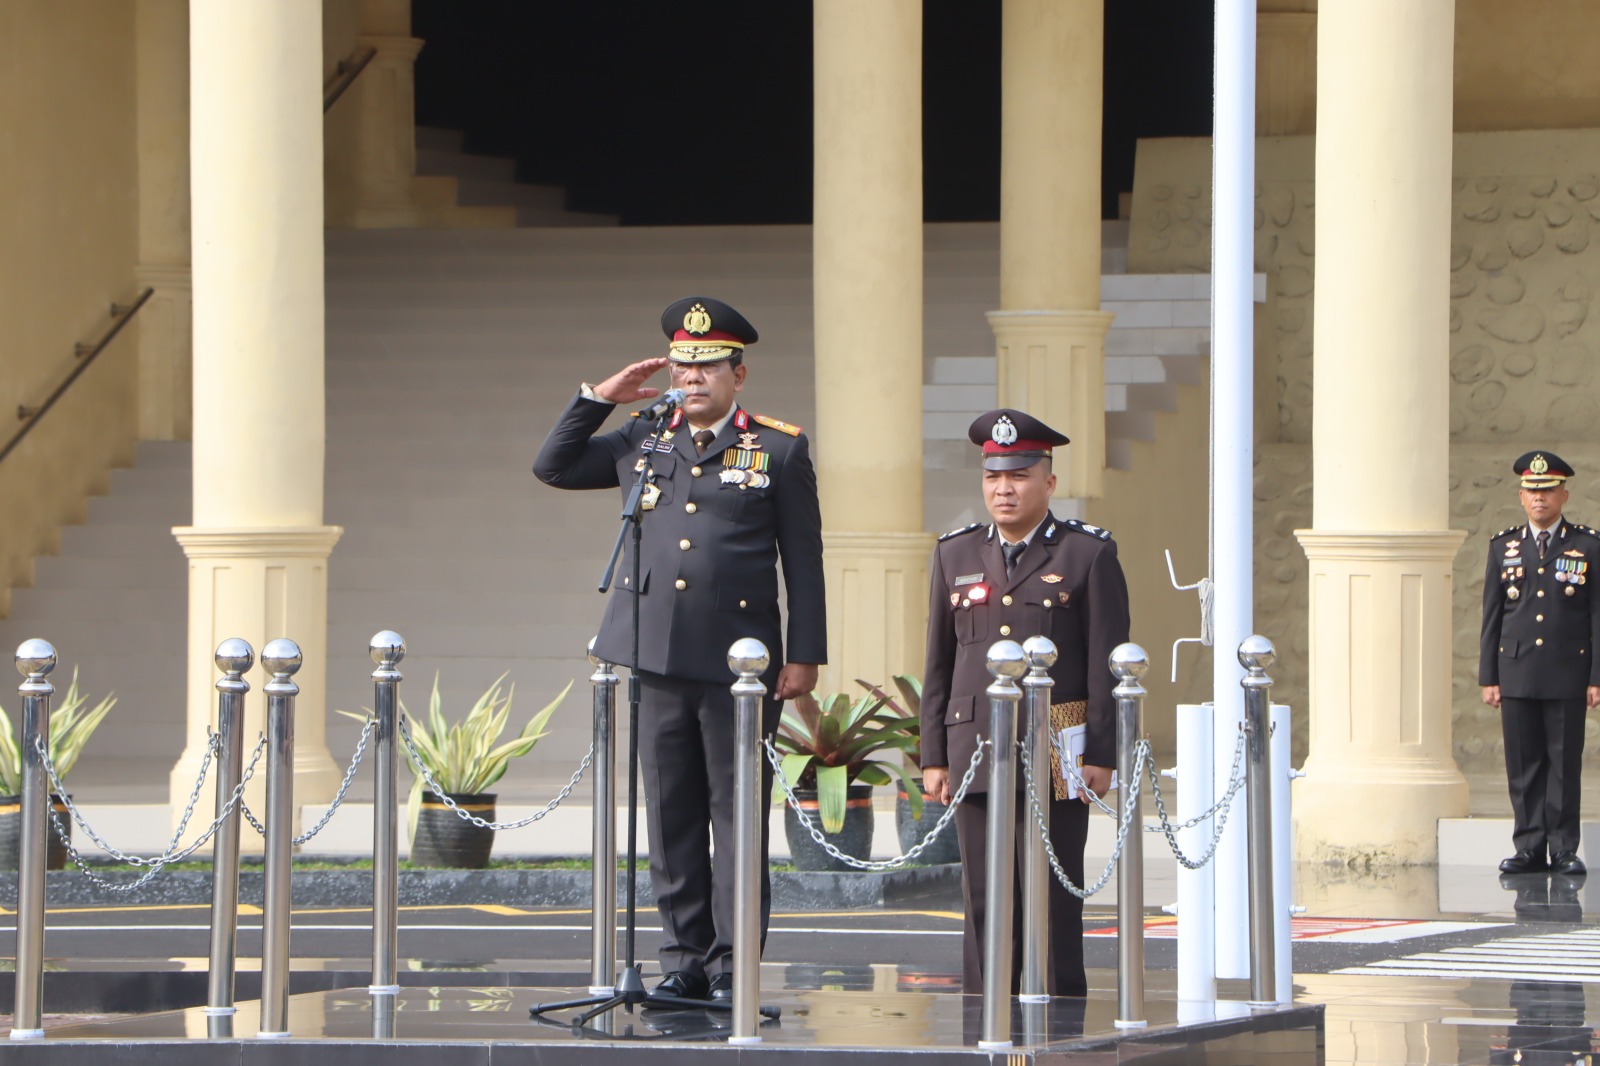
1050	334
868	290
1286	68
1380	774
258	548
162	105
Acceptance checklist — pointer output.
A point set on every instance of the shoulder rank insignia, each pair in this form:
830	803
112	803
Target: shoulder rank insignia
1503	532
781	427
963	529
1085	527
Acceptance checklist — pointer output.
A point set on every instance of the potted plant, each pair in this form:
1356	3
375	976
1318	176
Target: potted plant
465	759
826	748
71	725
916	812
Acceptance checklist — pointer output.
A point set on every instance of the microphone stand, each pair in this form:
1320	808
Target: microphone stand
630	991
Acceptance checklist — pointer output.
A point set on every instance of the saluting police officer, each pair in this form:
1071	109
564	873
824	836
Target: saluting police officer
1025	573
732	495
1536	662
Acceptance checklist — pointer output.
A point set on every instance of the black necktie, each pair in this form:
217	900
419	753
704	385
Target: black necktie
1544	542
702	441
1011	551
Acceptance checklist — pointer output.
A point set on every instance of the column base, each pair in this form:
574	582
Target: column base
877	606
258	584
1052	364
1380	773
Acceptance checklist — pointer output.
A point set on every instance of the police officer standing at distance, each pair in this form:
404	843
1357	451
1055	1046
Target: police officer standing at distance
1541	632
732	496
1025	573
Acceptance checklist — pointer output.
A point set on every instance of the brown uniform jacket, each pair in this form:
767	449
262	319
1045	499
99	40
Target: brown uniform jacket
1067	585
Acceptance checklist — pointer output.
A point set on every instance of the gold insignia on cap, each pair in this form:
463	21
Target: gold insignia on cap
1004	432
698	320
1539	465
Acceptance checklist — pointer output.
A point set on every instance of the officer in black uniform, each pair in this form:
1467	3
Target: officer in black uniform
1536	662
731	497
1026	573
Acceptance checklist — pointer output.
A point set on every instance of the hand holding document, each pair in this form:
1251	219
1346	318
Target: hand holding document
1071	741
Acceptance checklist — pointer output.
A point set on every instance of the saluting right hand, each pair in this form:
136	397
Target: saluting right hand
628	384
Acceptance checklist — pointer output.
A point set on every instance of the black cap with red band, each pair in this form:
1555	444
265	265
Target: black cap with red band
1013	439
703	330
1541	470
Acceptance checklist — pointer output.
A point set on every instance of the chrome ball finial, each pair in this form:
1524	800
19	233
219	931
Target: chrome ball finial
281	657
35	658
235	656
1006	660
386	646
1256	652
594	660
1129	662
748	657
1040	652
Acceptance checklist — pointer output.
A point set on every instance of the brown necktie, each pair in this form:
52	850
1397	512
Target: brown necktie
1544	542
1011	551
702	441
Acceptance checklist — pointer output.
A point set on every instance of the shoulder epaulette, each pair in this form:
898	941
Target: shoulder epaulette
1084	527
1584	529
781	427
1503	532
963	529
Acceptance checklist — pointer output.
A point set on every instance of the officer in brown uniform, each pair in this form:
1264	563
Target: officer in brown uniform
732	496
1023	574
1536	663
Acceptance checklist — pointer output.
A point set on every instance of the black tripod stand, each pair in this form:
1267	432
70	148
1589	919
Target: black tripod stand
630	991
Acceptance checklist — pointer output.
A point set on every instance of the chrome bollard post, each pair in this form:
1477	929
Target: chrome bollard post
1255	655
35	659
1006	664
233	658
748	658
603	905
387	648
1035	734
1129	663
282	658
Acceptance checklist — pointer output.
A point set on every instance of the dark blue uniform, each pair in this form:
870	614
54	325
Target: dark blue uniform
1541	629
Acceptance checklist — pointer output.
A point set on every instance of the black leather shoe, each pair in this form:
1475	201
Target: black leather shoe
1524	862
722	986
682	984
1567	862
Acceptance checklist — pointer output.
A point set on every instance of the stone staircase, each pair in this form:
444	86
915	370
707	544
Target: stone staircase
449	354
490	181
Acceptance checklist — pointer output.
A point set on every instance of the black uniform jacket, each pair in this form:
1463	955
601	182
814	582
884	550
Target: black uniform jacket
1067	585
1541	617
711	543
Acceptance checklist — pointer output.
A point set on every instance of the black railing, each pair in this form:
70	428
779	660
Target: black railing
345	74
85	354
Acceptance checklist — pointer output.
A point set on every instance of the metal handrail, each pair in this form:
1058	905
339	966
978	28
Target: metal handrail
345	74
86	354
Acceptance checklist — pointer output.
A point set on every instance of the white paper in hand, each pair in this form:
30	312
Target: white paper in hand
1072	741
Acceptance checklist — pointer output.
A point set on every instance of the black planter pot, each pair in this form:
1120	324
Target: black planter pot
444	838
944	848
55	854
854	838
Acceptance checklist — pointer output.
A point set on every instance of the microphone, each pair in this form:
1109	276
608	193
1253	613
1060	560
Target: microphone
663	405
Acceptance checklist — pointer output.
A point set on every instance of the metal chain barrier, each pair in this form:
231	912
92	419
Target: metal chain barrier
1141	758
1219	808
344	786
168	855
868	864
468	816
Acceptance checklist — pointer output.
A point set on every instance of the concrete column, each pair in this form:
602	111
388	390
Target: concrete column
371	137
1380	773
258	548
868	289
1286	68
1050	332
162	104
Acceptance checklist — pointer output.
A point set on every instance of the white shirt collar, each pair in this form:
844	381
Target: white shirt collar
1027	539
716	427
1534	531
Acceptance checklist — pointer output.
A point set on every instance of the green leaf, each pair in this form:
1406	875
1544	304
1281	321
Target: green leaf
833	784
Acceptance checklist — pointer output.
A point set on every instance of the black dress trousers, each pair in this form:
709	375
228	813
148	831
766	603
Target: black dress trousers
1544	766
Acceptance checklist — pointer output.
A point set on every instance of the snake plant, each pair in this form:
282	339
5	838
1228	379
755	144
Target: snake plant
70	728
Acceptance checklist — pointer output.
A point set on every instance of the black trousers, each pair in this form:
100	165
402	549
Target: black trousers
686	761
1544	763
1069	828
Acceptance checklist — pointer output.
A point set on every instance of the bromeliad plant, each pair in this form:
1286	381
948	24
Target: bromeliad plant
70	728
826	745
468	757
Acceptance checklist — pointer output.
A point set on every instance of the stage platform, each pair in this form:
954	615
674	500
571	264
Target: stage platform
490	1026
